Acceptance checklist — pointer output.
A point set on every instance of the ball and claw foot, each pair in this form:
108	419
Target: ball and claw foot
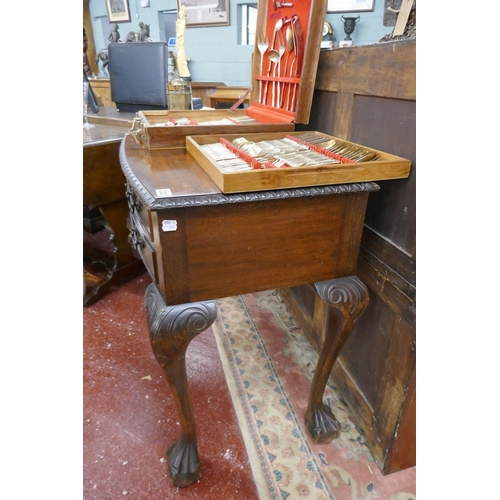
323	427
183	464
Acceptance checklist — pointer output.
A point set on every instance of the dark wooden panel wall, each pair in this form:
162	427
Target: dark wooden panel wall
368	95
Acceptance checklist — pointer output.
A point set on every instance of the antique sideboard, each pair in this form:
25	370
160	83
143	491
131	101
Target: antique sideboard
200	244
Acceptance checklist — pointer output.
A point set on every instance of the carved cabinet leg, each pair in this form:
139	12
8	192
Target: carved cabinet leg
171	329
348	299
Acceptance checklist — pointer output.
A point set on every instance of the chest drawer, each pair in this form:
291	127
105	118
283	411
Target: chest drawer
140	233
139	212
142	243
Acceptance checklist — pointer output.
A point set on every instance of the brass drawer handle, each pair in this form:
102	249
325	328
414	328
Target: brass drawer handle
133	203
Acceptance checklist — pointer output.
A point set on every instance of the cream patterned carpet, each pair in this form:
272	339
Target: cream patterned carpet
269	367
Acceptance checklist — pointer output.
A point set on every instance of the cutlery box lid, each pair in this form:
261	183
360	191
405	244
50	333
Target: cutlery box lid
294	75
266	112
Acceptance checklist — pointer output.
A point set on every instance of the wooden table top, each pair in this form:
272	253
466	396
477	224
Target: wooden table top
154	172
175	170
110	113
109	125
102	134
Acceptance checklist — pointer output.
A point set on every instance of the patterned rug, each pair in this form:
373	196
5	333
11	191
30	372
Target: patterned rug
269	367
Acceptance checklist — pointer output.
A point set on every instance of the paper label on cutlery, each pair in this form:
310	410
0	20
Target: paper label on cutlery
168	225
162	193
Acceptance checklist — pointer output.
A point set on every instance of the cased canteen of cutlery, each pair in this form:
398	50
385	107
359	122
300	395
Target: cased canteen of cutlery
308	149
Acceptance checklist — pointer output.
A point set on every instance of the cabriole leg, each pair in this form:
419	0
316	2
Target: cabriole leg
171	329
348	299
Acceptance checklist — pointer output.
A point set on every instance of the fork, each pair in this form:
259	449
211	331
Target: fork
263	45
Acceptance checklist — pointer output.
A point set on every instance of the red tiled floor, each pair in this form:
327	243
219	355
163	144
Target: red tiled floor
129	416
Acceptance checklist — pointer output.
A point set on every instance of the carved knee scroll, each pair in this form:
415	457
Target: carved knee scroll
348	298
349	295
171	329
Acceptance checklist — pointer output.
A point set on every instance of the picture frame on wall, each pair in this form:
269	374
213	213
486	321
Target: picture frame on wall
118	11
203	13
350	5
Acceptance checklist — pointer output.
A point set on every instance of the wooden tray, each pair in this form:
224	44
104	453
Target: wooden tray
386	167
159	136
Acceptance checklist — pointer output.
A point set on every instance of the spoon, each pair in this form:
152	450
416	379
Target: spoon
327	144
277	27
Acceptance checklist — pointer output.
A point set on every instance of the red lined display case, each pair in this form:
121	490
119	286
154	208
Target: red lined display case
284	66
292	77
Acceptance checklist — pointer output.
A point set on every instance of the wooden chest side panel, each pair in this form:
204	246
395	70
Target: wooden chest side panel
385	69
350	236
233	242
246	232
172	247
405	453
323	111
103	179
381	365
388	124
